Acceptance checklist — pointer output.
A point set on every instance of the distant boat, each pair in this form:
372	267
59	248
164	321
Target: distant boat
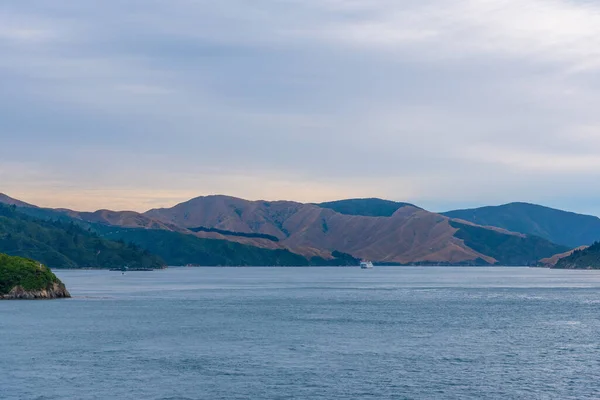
366	265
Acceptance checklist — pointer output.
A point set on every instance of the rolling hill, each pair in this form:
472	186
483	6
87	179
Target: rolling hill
181	249
551	262
562	227
4	199
371	207
61	238
215	230
409	236
61	244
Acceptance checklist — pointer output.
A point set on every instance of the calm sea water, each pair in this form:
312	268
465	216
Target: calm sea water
307	333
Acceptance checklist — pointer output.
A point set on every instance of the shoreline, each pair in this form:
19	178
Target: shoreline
304	266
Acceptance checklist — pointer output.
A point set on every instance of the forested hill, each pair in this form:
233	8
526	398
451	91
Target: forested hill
61	244
372	207
588	258
28	279
64	242
181	249
561	227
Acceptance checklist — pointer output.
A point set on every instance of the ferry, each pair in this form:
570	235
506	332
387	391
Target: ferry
366	265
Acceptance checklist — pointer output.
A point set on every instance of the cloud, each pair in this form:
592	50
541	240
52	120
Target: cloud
440	103
537	162
556	30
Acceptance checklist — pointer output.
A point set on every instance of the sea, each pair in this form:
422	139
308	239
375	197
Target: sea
307	333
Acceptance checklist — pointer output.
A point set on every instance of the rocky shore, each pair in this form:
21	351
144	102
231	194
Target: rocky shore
26	279
57	291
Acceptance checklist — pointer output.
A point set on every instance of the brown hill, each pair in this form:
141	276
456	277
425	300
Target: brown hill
365	230
126	219
410	235
4	199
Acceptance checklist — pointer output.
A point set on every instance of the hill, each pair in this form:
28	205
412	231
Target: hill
409	236
586	258
168	242
507	249
4	199
62	244
562	227
129	219
551	262
371	207
27	279
181	249
200	231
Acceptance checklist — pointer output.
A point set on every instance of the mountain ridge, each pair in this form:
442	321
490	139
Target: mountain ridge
558	226
408	235
6	199
61	244
391	232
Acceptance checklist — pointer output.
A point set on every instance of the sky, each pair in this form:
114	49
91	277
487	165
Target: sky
136	104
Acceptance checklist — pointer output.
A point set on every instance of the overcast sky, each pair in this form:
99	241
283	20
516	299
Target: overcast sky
134	104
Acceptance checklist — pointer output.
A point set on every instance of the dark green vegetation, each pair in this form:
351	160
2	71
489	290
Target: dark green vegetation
507	249
366	207
240	234
151	248
340	260
48	214
181	249
557	226
588	258
62	244
29	274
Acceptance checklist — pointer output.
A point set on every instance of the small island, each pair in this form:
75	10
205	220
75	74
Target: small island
22	278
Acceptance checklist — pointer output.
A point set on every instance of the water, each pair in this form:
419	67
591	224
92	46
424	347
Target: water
307	333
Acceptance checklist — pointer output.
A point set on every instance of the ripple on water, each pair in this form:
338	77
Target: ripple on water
307	333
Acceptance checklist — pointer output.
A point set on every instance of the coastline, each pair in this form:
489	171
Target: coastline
57	291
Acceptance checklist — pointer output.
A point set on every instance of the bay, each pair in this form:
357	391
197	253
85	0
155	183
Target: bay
307	333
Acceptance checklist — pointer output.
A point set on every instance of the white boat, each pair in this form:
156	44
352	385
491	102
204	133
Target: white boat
366	265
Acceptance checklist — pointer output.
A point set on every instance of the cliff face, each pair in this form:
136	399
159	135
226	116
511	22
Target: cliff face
57	291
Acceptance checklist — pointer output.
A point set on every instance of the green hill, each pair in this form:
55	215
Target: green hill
562	227
30	276
181	249
62	244
366	207
507	249
588	258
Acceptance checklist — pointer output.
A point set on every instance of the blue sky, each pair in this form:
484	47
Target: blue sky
449	103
